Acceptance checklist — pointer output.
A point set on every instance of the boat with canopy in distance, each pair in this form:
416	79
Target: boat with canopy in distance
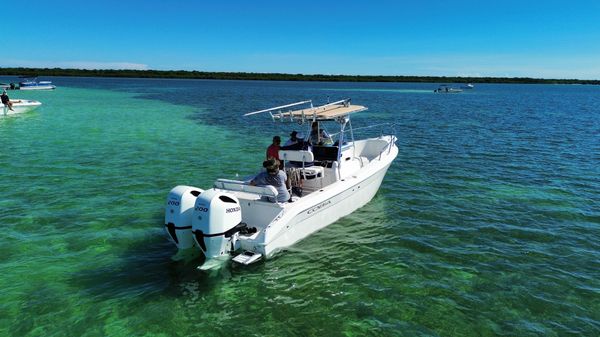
446	89
32	83
236	220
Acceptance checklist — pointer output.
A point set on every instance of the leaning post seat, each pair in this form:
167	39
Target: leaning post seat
308	173
296	155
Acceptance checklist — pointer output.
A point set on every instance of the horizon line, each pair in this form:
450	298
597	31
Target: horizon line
20	71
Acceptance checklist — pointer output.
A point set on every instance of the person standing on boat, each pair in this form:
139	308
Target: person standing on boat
319	136
6	101
273	149
274	177
314	133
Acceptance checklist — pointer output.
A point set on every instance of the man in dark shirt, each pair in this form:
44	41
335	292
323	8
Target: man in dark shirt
6	101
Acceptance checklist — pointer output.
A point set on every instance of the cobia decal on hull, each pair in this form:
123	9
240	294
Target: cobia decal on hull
318	207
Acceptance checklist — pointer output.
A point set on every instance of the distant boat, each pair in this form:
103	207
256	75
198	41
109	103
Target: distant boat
468	86
19	106
445	89
32	83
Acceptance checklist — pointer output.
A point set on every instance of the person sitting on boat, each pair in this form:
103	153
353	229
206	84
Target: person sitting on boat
6	100
293	139
300	145
274	177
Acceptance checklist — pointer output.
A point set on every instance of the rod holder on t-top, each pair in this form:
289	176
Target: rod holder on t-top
329	111
270	110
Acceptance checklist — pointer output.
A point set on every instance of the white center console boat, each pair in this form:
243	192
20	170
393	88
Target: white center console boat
234	219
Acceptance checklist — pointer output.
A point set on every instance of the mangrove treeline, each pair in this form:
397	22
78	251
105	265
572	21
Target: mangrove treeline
276	76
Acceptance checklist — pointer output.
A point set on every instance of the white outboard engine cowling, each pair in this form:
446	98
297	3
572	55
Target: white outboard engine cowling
178	215
216	222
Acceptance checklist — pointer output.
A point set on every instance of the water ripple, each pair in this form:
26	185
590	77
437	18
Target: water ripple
486	224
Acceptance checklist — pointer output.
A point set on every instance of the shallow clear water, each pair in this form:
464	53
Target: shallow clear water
487	224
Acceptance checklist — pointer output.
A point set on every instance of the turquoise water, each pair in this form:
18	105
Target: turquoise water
487	224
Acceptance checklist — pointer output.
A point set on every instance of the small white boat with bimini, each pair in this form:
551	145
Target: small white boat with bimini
19	106
235	219
446	89
31	83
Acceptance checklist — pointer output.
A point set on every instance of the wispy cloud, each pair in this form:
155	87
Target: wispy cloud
75	64
103	65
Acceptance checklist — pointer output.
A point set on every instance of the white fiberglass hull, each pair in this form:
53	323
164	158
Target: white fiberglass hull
321	208
19	106
38	87
326	212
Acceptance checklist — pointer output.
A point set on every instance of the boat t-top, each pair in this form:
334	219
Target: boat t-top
234	219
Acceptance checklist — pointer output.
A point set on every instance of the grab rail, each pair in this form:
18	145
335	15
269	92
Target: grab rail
391	126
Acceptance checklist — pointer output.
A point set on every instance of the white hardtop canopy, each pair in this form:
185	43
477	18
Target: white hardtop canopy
329	111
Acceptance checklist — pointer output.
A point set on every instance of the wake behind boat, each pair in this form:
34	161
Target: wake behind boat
234	218
20	106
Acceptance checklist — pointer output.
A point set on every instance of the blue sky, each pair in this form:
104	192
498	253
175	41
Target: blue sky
547	39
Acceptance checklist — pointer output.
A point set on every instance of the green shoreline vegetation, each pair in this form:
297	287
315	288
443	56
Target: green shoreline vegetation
183	74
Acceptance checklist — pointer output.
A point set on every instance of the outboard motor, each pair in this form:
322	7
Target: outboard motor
216	223
178	215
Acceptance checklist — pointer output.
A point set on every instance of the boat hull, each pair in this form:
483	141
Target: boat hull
327	212
19	107
38	87
321	208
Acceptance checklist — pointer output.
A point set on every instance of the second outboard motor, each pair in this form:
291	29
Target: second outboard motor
178	215
216	222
